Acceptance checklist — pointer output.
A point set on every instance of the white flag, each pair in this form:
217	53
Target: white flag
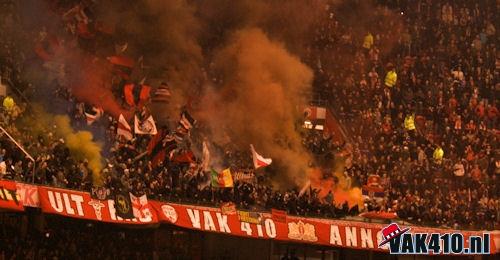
93	115
259	160
206	157
146	127
123	128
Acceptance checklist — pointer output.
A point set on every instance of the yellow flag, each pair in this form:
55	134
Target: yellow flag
227	178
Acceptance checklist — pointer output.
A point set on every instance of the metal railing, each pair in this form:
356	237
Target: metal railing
22	149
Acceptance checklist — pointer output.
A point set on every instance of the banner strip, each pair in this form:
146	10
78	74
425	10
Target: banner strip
279	226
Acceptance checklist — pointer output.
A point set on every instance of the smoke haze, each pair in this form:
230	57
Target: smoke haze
257	102
240	65
81	144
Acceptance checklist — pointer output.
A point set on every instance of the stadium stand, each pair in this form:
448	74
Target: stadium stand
414	92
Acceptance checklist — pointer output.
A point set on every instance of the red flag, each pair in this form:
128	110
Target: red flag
159	146
186	157
121	61
155	148
136	95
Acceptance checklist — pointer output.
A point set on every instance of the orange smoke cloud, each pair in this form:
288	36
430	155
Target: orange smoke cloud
340	186
256	104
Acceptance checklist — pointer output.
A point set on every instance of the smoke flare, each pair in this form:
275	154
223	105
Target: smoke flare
81	146
256	104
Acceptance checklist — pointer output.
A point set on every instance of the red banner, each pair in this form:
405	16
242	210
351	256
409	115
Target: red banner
278	215
9	197
78	204
340	233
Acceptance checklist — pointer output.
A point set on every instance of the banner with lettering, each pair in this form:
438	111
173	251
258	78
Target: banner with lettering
339	233
79	204
213	220
9	197
250	217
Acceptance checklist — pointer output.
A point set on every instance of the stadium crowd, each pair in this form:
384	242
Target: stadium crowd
421	113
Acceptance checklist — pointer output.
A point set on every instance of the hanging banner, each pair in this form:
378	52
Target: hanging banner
213	220
9	197
250	217
278	225
79	204
338	233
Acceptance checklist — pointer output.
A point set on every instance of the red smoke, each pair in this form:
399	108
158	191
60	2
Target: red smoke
89	79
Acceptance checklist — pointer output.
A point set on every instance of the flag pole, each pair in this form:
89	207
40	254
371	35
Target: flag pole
213	194
140	156
22	149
